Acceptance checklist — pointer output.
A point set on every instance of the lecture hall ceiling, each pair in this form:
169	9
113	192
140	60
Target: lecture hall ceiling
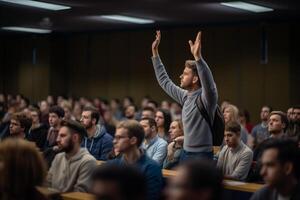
85	15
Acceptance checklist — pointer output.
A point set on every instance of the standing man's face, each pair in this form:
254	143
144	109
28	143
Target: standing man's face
271	170
186	78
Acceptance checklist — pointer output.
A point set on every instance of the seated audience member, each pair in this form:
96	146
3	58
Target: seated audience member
176	111
44	108
128	138
152	104
110	122
235	158
175	147
22	168
166	105
289	114
98	142
38	131
130	112
148	112
260	131
293	130
280	170
163	121
56	115
71	169
278	124
155	147
231	114
113	182
68	110
276	127
244	119
116	109
195	180
19	125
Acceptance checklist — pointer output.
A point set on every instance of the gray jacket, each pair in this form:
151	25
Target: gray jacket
69	175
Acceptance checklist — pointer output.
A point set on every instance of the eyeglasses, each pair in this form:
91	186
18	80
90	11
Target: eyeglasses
118	137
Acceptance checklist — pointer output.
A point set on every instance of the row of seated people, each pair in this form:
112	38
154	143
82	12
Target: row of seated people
164	149
133	175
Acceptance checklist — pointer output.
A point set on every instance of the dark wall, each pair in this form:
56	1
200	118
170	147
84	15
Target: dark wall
117	64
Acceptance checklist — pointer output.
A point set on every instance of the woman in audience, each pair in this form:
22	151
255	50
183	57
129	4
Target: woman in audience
163	120
231	114
22	168
175	147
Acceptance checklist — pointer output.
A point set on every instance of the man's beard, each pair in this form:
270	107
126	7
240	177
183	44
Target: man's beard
69	147
89	125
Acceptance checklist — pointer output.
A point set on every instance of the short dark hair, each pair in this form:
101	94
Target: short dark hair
151	121
75	127
130	181
25	122
233	126
203	174
134	130
283	118
288	151
191	64
269	107
148	108
296	107
94	112
58	111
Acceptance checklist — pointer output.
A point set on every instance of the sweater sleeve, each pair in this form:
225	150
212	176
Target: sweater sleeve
160	153
209	93
165	82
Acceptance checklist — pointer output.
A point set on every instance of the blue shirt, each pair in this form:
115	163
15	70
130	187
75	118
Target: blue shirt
152	172
156	149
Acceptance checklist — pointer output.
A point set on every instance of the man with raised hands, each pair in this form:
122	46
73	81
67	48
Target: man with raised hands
196	82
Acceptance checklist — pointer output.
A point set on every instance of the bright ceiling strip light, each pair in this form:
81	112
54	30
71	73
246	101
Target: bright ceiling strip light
25	29
37	4
128	19
247	6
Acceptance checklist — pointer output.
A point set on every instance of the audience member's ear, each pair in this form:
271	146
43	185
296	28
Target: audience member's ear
195	79
288	168
133	140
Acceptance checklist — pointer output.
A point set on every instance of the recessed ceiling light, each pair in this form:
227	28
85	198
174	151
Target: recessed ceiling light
25	29
247	6
37	4
124	18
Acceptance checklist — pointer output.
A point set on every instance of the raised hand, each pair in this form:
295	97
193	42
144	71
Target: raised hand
196	46
155	44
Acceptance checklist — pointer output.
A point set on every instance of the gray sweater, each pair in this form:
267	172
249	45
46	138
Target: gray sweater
71	175
197	134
